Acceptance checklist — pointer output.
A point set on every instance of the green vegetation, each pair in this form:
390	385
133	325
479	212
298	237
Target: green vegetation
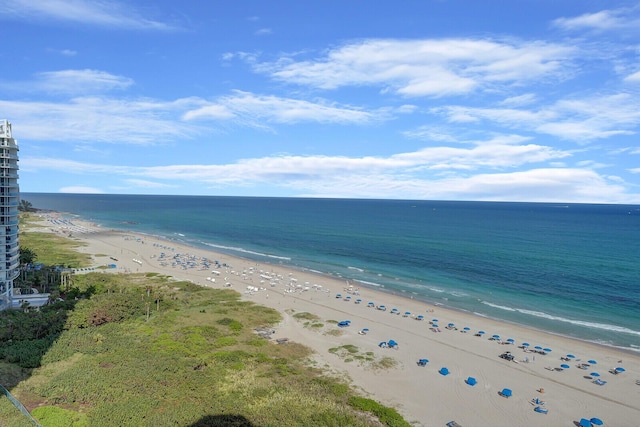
388	416
143	350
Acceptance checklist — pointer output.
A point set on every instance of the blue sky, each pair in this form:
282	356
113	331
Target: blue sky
444	100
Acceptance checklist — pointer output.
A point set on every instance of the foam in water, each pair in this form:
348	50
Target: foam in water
595	325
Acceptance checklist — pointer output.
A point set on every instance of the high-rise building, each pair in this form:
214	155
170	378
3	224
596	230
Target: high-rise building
9	200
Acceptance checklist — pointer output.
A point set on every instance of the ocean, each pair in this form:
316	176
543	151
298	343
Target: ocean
569	269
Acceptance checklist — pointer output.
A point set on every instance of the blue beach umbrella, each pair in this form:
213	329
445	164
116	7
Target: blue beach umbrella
506	392
525	344
538	347
365	329
407	313
570	356
596	421
434	320
594	374
511	340
620	369
496	336
471	381
444	371
565	366
466	328
451	325
548	350
592	362
480	332
585	422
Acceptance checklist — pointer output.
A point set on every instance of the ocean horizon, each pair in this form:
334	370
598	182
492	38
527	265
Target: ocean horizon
568	269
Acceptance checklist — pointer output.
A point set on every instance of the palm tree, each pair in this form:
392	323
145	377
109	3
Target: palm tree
25	206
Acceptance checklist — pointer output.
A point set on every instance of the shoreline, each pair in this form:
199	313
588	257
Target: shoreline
597	330
431	398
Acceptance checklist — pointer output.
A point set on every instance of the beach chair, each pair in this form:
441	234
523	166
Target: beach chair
541	410
599	382
453	424
537	402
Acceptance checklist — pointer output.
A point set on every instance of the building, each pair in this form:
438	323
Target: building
9	200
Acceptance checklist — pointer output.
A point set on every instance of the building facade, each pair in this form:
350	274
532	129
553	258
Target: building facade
9	200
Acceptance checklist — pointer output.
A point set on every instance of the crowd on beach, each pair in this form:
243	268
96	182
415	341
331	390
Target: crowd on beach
428	335
256	279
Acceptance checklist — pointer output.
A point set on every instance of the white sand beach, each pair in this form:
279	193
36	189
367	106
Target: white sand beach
420	393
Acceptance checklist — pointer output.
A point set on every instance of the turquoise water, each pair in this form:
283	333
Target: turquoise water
569	269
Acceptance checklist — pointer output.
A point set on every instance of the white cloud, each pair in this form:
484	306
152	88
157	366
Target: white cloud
81	190
604	20
502	152
580	120
520	100
264	32
79	81
102	120
634	77
106	14
430	67
143	183
252	109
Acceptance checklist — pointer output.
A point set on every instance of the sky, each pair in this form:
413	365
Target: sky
492	100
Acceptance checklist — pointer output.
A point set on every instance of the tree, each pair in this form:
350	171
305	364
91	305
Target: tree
27	256
25	206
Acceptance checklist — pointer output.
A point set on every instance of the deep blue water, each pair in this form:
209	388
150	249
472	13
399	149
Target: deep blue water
570	269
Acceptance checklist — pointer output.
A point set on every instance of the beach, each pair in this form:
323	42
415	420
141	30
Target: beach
422	394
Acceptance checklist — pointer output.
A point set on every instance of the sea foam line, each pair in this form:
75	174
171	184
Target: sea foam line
246	251
594	325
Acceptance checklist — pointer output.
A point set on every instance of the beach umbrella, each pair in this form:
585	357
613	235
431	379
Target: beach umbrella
434	325
480	332
420	317
594	374
495	336
565	366
596	421
620	369
570	356
538	347
407	313
506	392
511	340
451	325
585	422
471	381
525	344
358	300
444	371
434	320
592	362
466	328
548	350
392	343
